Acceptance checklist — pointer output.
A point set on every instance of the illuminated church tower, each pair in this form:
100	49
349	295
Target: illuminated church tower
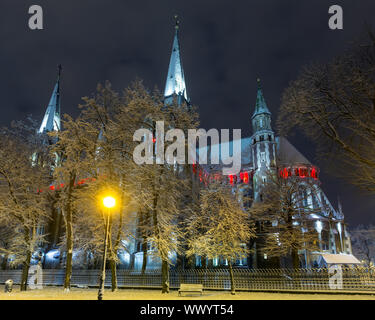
51	120
175	86
263	144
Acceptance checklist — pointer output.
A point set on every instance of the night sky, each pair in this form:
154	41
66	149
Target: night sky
225	46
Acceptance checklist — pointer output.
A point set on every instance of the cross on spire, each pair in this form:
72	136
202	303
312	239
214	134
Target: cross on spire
176	21
59	67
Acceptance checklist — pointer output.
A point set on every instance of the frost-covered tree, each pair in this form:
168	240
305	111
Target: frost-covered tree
89	150
221	228
75	150
333	104
24	177
91	223
99	144
6	239
282	217
159	189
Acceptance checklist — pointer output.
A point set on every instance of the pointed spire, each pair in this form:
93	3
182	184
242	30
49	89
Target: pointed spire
339	205
51	120
260	105
175	84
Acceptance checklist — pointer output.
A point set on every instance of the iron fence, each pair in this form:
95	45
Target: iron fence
312	280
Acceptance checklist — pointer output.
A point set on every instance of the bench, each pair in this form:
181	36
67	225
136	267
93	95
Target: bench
188	287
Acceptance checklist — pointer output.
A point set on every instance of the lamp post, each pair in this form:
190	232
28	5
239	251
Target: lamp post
108	202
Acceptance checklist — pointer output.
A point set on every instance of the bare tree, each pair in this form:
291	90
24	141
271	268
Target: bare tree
221	228
7	237
363	242
283	217
333	104
24	177
99	144
75	150
159	189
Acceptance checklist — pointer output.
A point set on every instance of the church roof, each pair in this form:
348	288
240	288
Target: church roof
287	153
51	120
246	155
260	104
175	83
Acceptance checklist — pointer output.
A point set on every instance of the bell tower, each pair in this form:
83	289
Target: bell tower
263	146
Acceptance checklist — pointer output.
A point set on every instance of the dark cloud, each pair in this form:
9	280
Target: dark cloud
225	47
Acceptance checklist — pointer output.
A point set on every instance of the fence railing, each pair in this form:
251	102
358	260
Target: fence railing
314	280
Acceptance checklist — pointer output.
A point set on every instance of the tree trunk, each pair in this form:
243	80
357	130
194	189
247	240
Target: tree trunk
204	262
113	274
4	264
165	276
190	262
26	262
210	263
145	253
295	258
69	258
112	260
69	235
294	249
25	271
232	287
144	221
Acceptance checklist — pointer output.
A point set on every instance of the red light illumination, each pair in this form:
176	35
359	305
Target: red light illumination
194	168
301	172
244	176
313	173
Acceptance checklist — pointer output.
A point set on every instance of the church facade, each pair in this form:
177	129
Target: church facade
264	154
261	152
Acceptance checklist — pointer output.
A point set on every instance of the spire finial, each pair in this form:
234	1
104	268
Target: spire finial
176	21
260	105
59	67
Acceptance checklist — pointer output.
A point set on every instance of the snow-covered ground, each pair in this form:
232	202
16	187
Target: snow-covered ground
57	293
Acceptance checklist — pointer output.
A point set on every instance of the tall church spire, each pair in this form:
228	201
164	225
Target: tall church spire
260	105
261	119
175	84
263	145
51	120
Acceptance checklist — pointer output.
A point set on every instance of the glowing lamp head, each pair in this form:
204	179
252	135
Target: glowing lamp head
109	202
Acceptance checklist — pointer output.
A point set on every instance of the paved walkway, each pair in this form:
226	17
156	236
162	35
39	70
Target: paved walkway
57	293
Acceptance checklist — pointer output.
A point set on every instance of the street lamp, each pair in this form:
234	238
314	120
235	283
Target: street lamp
108	202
